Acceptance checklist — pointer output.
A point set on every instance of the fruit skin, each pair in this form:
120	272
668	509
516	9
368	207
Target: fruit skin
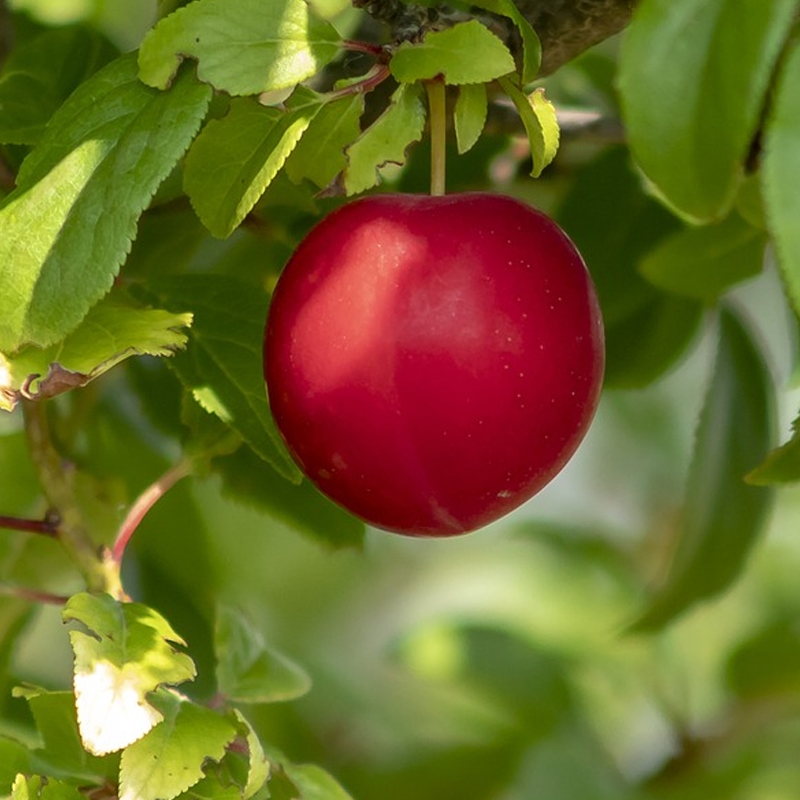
433	362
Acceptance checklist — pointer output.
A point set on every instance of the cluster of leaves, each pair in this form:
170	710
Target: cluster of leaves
157	193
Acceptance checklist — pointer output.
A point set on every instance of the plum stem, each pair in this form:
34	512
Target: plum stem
377	75
44	527
437	108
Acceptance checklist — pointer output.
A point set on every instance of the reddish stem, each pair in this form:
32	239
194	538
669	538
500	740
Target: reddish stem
377	75
374	50
33	595
146	500
45	527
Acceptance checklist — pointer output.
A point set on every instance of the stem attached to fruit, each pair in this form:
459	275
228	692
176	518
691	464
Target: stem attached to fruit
437	108
146	500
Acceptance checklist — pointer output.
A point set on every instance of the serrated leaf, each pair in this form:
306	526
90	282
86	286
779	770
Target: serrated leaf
62	749
258	765
781	173
469	115
722	516
243	47
112	331
538	116
127	654
704	262
319	155
222	365
247	479
170	759
386	140
693	78
247	670
40	74
235	158
466	53
68	226
531	46
782	465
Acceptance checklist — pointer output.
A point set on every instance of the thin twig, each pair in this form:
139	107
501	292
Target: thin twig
146	500
45	527
33	595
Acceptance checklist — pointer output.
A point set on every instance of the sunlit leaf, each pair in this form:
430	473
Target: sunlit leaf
258	765
386	140
68	226
465	53
722	516
243	47
127	653
112	331
531	46
539	118
170	759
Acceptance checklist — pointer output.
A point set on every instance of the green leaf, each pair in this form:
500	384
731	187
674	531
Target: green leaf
127	654
112	331
722	516
62	750
244	47
37	787
614	224
222	365
170	759
247	479
258	765
235	158
531	46
781	173
539	118
40	74
247	670
466	53
68	226
314	783
319	155
386	140
705	262
781	465
15	758
693	78
469	115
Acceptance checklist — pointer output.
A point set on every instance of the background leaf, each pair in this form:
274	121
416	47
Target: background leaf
711	62
722	516
247	670
781	173
39	76
222	364
704	262
466	53
82	190
242	46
